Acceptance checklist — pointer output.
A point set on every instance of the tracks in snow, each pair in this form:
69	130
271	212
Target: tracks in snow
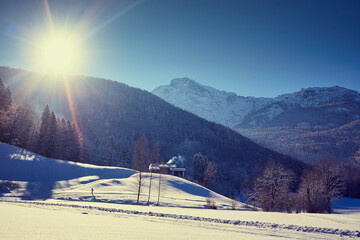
308	229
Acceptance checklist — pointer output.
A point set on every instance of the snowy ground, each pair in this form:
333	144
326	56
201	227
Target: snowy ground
29	221
55	202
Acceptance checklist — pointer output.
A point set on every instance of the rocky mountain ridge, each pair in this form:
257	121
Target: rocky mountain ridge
307	124
232	110
222	107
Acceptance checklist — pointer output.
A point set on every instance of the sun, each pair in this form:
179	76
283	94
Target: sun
59	54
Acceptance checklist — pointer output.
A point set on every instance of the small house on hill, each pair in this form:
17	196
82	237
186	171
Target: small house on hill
167	169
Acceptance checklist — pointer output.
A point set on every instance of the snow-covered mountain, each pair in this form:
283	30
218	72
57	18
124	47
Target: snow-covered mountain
317	96
222	107
327	107
299	108
290	123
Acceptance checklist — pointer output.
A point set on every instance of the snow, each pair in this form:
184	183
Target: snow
44	178
59	223
78	221
219	106
230	110
316	96
269	113
65	209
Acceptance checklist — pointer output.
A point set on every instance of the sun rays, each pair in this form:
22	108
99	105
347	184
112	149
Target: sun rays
58	49
61	45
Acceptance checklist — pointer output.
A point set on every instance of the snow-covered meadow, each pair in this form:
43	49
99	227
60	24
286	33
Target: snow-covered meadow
54	201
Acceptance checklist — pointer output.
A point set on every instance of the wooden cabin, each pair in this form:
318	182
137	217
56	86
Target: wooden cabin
170	169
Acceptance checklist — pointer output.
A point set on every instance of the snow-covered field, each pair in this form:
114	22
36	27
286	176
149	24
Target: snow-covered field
55	202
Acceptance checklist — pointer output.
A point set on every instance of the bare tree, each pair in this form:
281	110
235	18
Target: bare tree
210	203
210	172
319	186
329	177
310	197
159	189
160	183
155	155
234	200
140	162
272	188
246	190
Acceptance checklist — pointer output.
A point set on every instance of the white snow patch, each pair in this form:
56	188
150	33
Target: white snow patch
22	156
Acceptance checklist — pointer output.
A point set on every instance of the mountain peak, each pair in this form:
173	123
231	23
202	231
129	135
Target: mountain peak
222	107
188	85
184	83
184	80
312	96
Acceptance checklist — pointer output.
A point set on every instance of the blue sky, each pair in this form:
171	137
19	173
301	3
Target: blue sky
252	48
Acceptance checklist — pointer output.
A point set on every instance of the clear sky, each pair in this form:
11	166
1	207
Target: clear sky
252	48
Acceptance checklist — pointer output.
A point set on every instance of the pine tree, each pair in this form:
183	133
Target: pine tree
60	138
52	136
44	132
125	156
21	121
67	141
5	103
5	97
200	163
77	148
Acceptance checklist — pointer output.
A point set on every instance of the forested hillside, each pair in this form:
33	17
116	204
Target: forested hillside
112	116
312	144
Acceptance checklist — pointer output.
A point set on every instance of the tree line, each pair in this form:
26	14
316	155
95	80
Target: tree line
49	136
320	185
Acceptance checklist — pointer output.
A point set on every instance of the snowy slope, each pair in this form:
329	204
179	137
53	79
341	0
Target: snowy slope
66	209
42	220
45	178
22	165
